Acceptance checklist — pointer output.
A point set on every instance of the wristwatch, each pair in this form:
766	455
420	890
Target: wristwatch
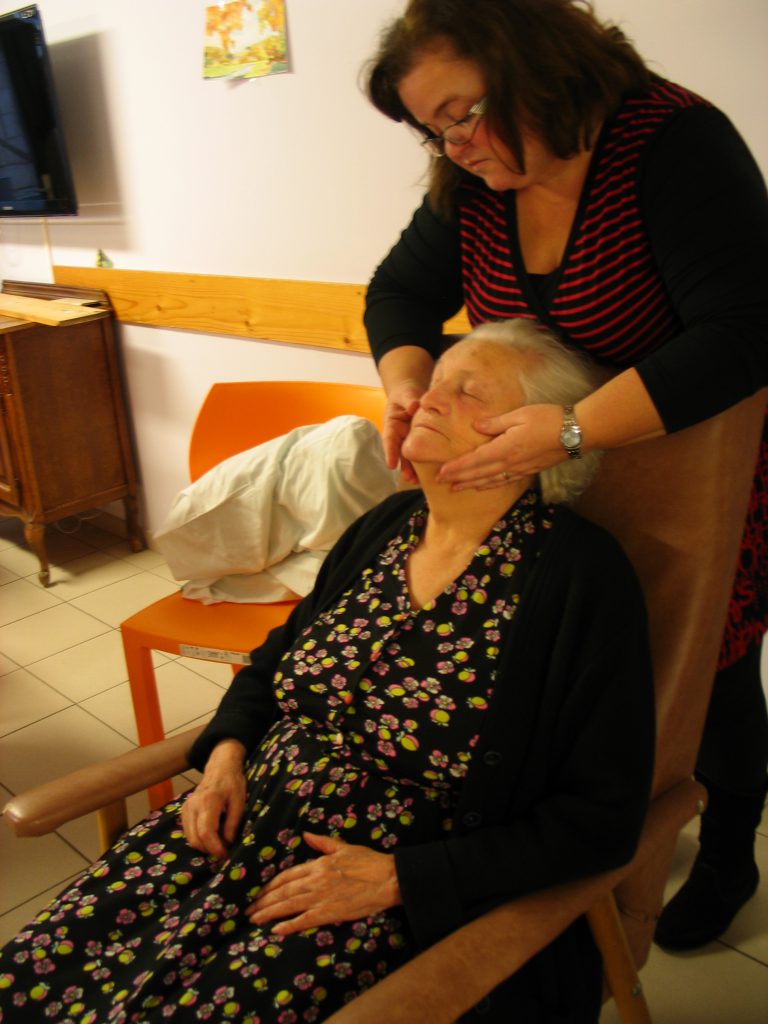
570	434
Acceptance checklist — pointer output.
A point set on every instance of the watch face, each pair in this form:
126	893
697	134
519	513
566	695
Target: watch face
571	437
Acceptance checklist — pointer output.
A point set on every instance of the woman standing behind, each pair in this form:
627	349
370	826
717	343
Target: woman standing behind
571	185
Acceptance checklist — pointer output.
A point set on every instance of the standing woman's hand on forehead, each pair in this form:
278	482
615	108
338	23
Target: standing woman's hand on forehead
521	443
403	401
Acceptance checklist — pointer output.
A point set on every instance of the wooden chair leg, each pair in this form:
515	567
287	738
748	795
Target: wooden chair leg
112	821
618	963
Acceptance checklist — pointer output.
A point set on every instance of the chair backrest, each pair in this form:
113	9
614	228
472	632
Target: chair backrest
677	504
236	416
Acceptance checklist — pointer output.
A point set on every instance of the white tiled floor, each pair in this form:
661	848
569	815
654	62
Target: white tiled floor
64	702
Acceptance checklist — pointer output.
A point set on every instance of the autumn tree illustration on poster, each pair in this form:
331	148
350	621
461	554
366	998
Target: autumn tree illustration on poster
245	39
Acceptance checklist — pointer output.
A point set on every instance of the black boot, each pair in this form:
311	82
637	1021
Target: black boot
724	875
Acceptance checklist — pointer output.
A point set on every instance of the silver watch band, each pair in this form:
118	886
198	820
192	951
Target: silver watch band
570	434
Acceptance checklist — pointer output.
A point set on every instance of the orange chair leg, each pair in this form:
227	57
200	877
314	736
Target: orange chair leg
618	963
146	707
160	795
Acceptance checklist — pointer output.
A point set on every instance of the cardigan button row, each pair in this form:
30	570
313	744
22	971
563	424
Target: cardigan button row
492	757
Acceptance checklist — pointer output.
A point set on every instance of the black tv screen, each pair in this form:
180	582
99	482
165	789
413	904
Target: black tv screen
35	178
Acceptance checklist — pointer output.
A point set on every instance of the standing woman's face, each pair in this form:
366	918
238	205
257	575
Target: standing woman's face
440	90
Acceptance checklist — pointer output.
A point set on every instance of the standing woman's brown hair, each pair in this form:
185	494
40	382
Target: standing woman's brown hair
549	65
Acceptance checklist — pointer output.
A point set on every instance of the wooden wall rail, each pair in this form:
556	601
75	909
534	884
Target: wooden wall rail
315	313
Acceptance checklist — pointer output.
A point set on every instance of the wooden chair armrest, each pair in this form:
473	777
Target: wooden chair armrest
43	809
449	978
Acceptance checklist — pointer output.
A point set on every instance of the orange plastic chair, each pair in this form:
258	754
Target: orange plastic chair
233	418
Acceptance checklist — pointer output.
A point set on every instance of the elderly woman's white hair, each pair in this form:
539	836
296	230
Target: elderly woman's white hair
552	374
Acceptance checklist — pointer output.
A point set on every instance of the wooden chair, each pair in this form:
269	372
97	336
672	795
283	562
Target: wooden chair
233	418
678	505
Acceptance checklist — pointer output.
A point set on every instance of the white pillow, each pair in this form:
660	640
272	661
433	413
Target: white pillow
256	526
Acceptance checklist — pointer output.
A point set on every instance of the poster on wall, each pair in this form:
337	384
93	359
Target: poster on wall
245	39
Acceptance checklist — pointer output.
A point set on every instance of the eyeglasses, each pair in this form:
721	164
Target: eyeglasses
457	134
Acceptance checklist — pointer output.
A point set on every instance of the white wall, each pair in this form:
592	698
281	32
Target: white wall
291	176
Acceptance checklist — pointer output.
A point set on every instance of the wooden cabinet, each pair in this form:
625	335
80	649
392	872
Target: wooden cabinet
64	442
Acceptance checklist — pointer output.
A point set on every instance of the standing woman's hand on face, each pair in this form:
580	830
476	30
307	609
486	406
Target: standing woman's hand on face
403	401
521	443
211	814
405	373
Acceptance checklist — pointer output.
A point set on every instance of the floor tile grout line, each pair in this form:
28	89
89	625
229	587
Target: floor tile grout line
60	886
86	711
71	646
21	618
743	952
81	705
177	728
117	732
62	601
82	853
53	564
81	700
32	576
87	593
28	725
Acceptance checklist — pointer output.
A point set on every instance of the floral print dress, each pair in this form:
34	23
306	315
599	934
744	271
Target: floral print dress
370	746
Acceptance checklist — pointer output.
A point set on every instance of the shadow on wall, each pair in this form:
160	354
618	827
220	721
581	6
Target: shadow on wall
78	70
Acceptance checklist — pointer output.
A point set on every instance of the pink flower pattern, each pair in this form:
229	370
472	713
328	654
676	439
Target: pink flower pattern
368	744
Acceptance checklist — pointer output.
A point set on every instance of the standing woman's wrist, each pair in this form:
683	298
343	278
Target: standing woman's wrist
406	364
618	413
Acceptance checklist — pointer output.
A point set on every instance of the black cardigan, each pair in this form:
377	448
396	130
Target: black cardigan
558	785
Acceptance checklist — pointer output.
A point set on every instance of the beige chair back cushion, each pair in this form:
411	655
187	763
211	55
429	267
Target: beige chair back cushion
677	504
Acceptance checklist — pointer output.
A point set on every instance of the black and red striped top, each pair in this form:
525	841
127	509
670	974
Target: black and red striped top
607	296
666	267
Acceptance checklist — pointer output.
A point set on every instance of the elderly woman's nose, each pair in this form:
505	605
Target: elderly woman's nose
434	397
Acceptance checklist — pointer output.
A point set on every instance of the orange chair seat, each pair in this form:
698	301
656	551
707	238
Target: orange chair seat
175	621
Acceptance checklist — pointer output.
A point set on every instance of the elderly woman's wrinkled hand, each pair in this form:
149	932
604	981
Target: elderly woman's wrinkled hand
345	883
524	442
211	814
402	403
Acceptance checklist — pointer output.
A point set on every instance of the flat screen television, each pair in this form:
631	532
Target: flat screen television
35	177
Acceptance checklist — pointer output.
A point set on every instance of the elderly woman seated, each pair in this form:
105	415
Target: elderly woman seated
460	713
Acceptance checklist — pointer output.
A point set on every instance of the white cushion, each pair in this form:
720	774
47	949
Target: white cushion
256	527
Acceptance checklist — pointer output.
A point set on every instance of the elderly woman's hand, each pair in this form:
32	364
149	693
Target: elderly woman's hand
402	403
211	814
345	883
525	441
